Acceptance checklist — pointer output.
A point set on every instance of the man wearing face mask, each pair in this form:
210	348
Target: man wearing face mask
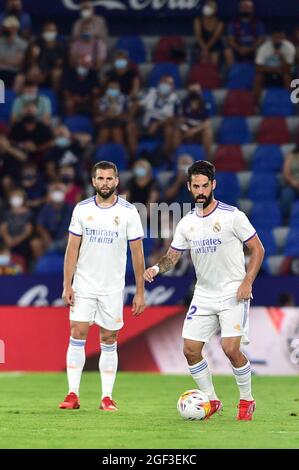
245	34
12	50
33	186
125	74
88	45
73	192
15	8
10	158
208	30
16	227
160	107
96	23
80	87
10	264
30	95
52	222
274	61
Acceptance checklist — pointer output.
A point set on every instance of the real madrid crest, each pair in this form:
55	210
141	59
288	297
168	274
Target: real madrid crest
217	227
116	220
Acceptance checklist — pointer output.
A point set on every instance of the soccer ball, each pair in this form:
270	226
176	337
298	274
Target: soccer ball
194	404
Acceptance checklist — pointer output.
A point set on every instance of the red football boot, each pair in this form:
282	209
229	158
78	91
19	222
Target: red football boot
246	409
71	402
107	404
216	406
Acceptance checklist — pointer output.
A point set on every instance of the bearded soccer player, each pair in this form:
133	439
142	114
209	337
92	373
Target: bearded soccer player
94	278
215	233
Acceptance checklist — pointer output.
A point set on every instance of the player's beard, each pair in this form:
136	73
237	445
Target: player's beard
207	199
106	194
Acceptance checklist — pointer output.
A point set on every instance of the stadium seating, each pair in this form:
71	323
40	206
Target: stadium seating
294	216
241	76
228	188
159	70
277	103
267	158
234	130
273	130
238	103
79	123
292	243
195	150
115	153
210	100
207	75
49	264
263	187
265	215
52	97
170	49
268	241
134	46
229	158
147	146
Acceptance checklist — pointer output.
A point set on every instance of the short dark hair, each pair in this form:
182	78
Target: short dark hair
202	167
104	165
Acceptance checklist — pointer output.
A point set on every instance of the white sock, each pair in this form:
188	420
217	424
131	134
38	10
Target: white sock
108	367
202	376
75	360
243	379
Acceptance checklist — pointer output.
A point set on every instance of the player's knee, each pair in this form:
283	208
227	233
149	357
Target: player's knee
78	333
230	350
190	354
108	338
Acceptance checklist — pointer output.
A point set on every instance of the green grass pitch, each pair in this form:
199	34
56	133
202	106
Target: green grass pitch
147	416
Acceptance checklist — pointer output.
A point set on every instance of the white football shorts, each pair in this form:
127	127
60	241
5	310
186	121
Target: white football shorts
104	310
204	317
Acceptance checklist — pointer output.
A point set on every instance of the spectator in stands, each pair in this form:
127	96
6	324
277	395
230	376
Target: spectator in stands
112	115
15	8
208	31
33	186
12	50
177	190
16	227
125	74
195	124
89	46
10	158
67	150
80	88
96	23
290	191
30	95
73	192
10	264
142	187
245	34
32	136
52	222
274	61
160	107
285	299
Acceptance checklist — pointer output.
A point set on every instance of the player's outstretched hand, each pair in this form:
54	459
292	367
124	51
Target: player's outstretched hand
138	304
149	274
68	296
244	291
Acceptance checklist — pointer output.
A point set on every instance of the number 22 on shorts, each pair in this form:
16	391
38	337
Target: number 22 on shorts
191	312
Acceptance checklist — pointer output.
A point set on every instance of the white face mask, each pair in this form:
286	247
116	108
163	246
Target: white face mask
57	196
86	13
49	35
4	260
16	201
208	10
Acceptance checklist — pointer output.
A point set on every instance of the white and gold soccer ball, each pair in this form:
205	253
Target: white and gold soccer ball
194	404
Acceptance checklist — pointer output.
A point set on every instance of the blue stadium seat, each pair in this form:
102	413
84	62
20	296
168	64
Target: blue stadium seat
52	97
291	247
195	150
115	153
210	100
277	103
165	69
234	130
265	215
147	145
134	46
268	241
294	216
79	123
241	76
228	188
263	187
6	107
267	157
49	264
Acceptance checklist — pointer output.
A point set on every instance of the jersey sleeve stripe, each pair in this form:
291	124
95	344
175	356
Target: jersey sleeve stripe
178	249
245	241
73	233
133	239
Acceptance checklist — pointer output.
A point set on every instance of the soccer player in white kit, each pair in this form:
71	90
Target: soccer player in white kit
94	278
215	232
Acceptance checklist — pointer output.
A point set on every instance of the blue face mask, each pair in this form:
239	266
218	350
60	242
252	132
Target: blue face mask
112	92
62	142
164	89
82	71
140	172
120	63
4	260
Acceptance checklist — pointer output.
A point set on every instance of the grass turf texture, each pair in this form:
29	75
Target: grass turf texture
147	416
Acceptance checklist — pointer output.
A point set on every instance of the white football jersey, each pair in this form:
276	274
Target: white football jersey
105	234
216	245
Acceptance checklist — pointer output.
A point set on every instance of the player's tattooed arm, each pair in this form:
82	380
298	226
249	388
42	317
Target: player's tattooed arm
169	260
